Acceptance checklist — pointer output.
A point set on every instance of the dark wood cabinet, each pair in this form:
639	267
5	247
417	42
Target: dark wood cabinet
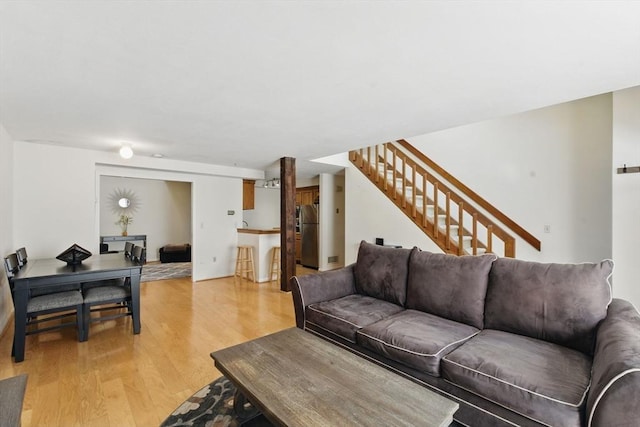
248	194
307	195
306	198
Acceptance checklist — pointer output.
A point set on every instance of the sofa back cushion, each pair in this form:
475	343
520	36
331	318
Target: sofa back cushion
381	272
449	286
559	303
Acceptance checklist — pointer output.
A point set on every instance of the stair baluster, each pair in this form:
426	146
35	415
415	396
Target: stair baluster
436	209
377	163
461	224
448	219
424	199
474	236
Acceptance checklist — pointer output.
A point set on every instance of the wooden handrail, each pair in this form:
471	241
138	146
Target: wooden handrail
492	210
440	186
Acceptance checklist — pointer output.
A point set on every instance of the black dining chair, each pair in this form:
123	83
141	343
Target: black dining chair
115	298
128	248
139	254
22	261
112	295
22	256
47	307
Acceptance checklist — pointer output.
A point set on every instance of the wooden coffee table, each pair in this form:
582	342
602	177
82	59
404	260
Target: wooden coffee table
298	379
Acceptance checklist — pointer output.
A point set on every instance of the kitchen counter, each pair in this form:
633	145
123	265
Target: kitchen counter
259	230
262	241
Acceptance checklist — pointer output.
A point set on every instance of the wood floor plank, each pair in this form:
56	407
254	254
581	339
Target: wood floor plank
119	412
92	403
120	379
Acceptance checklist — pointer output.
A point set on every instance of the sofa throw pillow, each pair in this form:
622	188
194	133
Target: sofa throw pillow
449	286
560	303
381	272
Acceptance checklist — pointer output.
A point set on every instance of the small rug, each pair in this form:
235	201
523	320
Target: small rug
212	406
170	270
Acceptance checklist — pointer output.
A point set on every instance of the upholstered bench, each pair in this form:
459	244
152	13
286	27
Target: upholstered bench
175	253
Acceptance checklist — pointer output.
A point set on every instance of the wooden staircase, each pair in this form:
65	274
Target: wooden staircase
436	202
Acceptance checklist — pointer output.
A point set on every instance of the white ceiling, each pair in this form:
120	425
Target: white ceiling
247	82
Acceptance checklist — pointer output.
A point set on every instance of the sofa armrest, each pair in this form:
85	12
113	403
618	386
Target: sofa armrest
615	377
325	286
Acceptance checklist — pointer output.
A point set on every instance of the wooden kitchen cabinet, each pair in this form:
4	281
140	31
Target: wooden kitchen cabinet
307	195
248	194
306	198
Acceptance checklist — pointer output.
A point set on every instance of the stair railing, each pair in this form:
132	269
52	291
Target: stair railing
471	195
452	222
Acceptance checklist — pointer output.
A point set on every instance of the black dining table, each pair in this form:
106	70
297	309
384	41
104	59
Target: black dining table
51	272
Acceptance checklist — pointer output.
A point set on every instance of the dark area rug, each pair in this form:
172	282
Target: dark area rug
171	270
212	406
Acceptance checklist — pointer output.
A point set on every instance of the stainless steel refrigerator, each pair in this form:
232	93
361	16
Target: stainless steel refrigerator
309	222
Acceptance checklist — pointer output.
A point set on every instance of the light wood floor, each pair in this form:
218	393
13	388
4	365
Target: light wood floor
120	379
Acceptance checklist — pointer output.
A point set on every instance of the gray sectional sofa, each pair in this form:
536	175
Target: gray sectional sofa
513	342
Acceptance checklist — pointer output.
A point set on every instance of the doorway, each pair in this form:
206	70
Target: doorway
159	209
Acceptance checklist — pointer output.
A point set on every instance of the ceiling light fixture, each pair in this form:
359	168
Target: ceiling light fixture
126	152
272	183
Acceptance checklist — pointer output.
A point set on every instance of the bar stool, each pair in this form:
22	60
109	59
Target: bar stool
275	264
244	263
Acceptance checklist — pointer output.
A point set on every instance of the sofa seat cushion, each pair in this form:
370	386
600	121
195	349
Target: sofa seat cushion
416	339
344	316
543	381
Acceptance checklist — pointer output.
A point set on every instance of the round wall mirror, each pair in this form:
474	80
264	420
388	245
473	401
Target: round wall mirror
123	202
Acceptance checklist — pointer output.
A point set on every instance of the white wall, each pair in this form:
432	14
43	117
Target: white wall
55	206
266	212
370	214
58	203
332	217
6	221
626	194
215	231
544	167
549	166
163	211
307	182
